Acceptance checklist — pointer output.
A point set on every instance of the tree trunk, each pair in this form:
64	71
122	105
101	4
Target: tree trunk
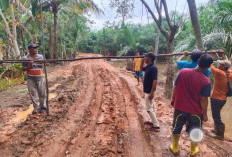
50	48
195	23
65	52
7	50
0	53
55	48
157	41
22	42
170	70
14	35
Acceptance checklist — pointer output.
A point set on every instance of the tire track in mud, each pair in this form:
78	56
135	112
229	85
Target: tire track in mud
99	111
78	111
137	141
115	128
105	129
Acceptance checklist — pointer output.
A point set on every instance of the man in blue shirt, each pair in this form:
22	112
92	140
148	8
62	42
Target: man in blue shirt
195	55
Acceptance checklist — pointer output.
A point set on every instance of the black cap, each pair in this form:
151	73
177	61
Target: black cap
150	55
32	46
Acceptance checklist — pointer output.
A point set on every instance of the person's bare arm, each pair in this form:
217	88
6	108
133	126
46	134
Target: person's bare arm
204	106
153	89
173	96
133	66
221	54
142	63
186	53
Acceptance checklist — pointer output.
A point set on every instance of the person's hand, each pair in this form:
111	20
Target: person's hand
151	96
205	118
133	70
220	52
186	53
30	64
40	61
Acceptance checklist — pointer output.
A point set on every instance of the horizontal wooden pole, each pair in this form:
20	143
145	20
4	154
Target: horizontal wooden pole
86	58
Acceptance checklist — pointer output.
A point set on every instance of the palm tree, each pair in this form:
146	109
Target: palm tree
55	5
195	23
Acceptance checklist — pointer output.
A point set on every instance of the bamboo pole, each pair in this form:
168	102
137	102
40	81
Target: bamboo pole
43	48
104	57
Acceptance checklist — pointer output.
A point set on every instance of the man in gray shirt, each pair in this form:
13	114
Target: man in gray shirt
35	81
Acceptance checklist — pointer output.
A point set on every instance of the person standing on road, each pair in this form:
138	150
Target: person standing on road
137	67
108	54
149	88
195	55
190	101
221	74
35	81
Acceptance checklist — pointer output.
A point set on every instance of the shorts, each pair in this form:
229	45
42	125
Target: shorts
190	120
139	74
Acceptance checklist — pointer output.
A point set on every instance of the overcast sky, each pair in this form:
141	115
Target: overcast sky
139	14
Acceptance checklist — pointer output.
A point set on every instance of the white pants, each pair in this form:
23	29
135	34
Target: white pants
150	107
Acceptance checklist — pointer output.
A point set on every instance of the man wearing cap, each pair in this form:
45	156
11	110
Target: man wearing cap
190	101
219	94
137	67
195	55
35	81
149	88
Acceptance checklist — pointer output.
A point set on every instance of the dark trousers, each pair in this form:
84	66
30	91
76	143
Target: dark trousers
190	120
216	107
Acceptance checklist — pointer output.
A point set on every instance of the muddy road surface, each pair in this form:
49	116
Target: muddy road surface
96	110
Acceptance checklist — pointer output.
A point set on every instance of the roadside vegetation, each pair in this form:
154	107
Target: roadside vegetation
67	31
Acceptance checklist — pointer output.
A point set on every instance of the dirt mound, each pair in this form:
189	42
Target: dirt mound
99	111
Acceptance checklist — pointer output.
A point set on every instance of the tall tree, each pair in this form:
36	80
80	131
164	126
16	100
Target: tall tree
195	23
170	36
55	5
124	8
14	6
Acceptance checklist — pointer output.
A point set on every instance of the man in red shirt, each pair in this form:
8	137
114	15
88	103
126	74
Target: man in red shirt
190	100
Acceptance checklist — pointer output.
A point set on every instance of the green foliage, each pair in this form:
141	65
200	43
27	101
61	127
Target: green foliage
7	83
216	26
4	4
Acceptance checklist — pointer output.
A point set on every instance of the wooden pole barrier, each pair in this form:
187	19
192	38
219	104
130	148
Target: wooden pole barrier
104	57
43	48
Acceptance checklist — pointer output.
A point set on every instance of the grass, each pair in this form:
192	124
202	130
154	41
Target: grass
6	84
25	90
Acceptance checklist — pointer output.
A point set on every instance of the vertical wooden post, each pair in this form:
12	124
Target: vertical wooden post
43	49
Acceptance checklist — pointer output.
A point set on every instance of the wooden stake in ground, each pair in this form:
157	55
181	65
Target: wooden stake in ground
43	48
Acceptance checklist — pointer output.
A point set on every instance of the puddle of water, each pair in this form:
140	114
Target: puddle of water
51	96
23	114
226	114
54	87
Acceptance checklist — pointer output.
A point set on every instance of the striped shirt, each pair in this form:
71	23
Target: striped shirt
36	72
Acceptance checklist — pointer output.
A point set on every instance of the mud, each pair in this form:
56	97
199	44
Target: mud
97	110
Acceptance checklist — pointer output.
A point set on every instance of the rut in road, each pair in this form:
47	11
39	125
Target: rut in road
95	114
99	111
113	124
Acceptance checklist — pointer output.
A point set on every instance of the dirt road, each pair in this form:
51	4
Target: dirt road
97	111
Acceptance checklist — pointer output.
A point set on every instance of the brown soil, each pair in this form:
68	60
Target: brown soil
98	111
